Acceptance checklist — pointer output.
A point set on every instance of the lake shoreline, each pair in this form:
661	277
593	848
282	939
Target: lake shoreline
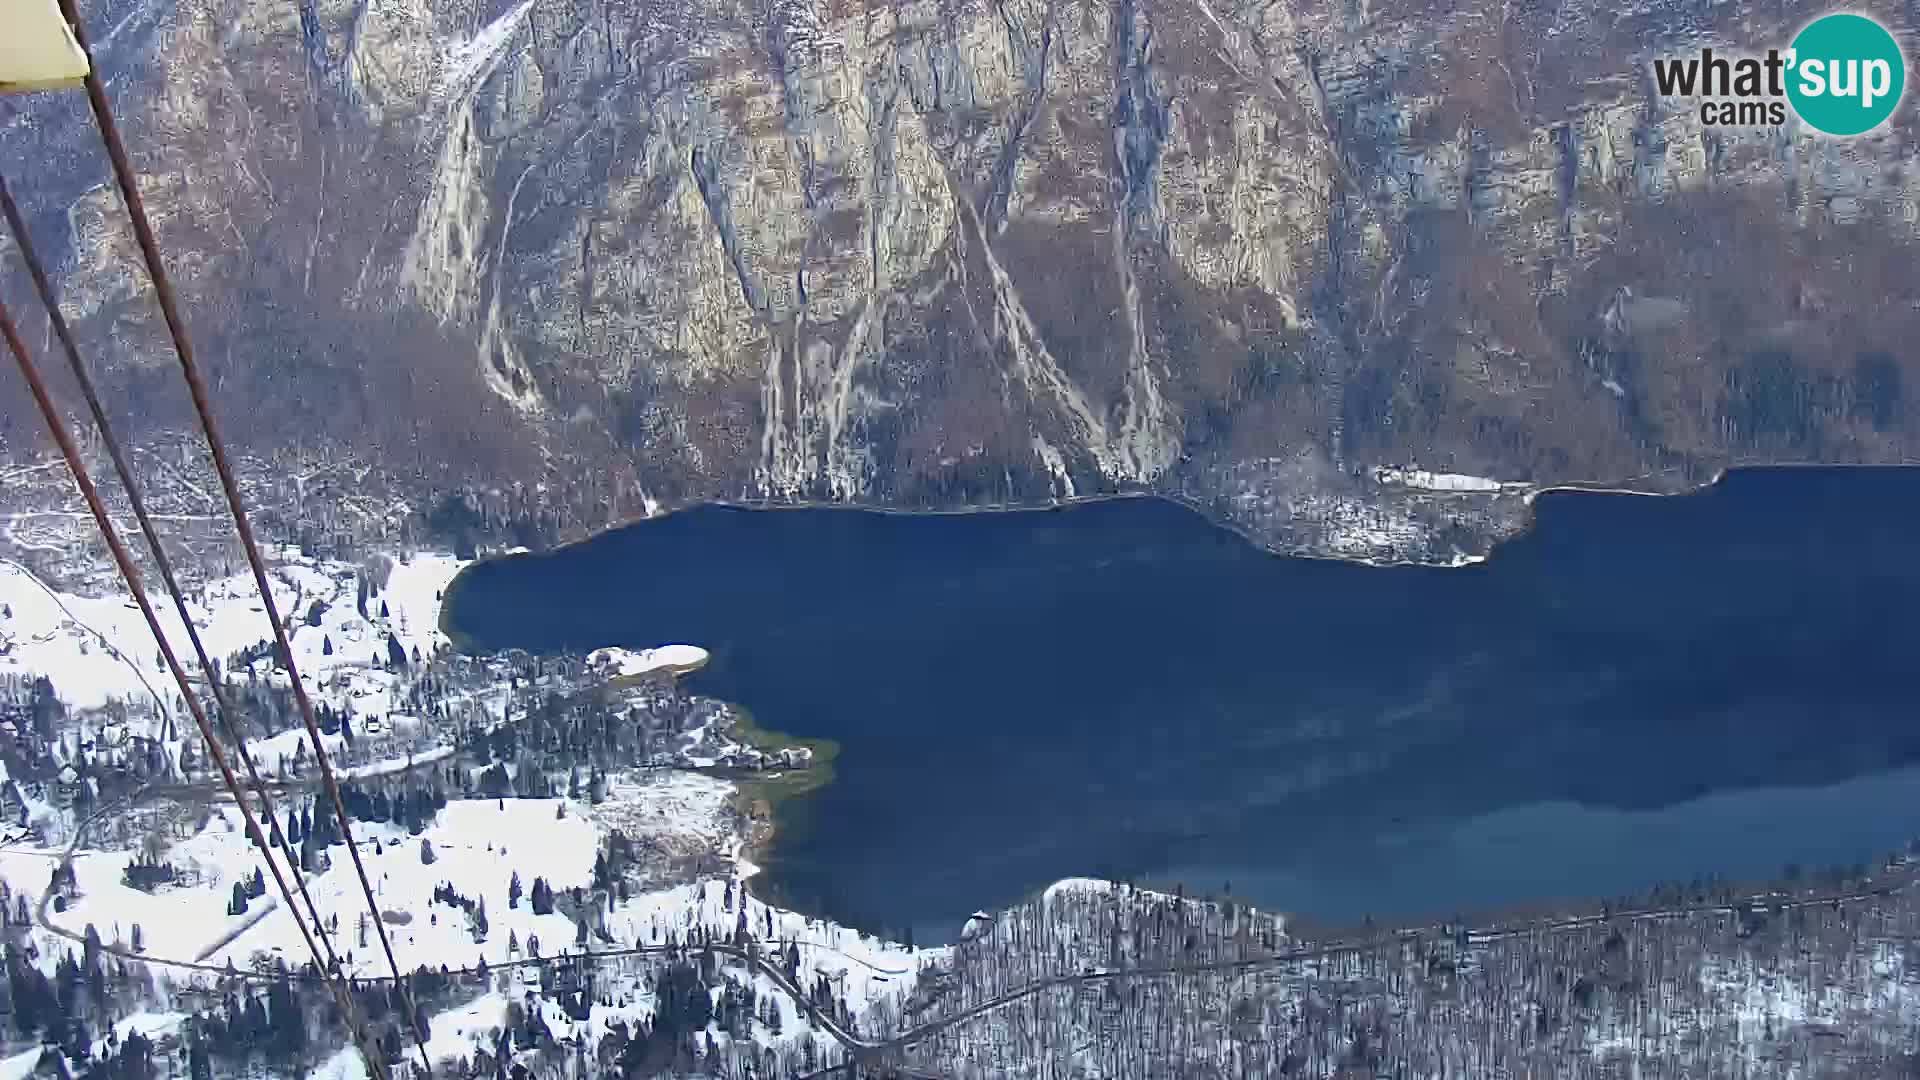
1656	576
1528	493
758	797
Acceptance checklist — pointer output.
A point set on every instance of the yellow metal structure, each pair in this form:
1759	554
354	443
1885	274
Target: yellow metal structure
37	48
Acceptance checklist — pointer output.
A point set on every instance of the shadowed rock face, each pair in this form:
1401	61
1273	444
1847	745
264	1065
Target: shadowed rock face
933	253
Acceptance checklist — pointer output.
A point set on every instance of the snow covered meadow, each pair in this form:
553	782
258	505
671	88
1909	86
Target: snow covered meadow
95	648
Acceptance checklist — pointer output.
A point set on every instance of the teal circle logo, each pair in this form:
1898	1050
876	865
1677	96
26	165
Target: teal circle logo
1845	74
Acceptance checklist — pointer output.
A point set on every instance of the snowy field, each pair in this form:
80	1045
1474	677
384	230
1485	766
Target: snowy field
97	648
684	813
478	846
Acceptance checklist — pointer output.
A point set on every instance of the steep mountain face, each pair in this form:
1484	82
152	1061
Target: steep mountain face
935	252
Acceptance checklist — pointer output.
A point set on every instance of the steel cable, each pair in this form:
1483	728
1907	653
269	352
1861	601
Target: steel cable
130	574
223	704
176	329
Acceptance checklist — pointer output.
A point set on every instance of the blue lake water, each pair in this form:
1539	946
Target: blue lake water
1637	690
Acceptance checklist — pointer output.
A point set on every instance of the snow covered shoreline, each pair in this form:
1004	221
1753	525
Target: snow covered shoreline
1411	479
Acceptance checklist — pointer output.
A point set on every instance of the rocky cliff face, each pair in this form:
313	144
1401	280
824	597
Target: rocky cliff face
934	252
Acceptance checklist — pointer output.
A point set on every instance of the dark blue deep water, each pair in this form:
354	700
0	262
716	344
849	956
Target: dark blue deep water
1637	690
